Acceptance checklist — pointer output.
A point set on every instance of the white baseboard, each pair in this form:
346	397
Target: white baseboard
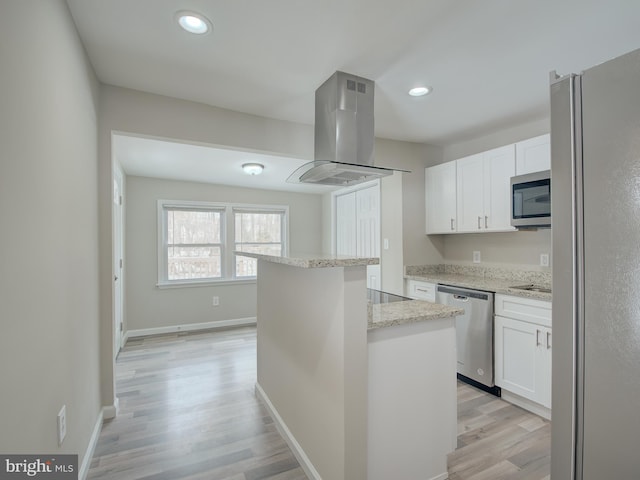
527	404
442	476
143	332
110	411
88	454
295	447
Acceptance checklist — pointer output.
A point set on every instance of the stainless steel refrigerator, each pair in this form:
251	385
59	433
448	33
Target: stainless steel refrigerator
595	195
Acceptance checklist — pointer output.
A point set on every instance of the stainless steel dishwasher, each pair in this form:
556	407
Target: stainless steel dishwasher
474	334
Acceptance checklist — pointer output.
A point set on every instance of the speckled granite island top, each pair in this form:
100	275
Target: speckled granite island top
412	311
310	260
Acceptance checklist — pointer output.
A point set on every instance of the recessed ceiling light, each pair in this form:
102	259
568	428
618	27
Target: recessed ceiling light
194	22
420	91
253	168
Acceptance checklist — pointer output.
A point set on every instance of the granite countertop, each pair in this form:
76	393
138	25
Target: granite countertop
500	283
311	260
411	311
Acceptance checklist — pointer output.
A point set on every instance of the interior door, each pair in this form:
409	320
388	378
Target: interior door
358	228
117	260
368	230
346	243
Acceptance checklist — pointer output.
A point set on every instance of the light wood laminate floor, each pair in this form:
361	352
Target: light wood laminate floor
188	412
497	440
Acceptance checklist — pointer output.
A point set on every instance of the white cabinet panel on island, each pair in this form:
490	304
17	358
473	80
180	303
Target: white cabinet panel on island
523	339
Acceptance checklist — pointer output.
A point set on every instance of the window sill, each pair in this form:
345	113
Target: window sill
206	283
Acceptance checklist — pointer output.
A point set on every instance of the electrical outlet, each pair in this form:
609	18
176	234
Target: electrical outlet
476	257
62	424
216	301
544	259
386	244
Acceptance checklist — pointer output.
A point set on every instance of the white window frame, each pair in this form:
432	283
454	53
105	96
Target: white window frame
227	239
283	212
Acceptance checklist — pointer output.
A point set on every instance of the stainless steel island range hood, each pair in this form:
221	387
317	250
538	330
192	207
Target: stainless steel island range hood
344	134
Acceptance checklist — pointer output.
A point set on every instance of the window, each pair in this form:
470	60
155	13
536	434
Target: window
194	246
196	240
257	232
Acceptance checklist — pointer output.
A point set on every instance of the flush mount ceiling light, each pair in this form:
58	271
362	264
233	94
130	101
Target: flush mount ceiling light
193	22
420	91
253	168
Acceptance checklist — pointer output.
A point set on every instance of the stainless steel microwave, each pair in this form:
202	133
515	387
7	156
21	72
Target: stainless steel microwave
531	200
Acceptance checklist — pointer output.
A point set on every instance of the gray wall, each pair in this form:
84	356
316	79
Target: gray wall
130	111
148	306
49	244
496	139
403	210
519	248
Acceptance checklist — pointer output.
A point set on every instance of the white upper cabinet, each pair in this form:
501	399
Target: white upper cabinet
533	155
499	167
440	187
470	192
473	194
483	184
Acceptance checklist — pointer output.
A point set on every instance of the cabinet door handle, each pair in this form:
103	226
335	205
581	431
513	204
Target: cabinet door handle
548	340
538	342
486	221
479	219
452	224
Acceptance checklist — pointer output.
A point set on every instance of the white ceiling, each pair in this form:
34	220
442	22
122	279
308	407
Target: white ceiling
487	60
159	158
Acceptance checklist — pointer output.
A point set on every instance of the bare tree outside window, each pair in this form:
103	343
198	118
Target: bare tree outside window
197	240
194	249
257	232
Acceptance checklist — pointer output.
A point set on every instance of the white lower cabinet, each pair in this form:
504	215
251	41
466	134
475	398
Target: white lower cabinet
523	351
421	290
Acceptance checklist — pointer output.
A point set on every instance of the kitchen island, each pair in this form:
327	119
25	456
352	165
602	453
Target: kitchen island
358	390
